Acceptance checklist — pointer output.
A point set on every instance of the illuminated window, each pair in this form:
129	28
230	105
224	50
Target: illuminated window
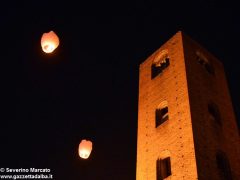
161	113
163	168
160	63
205	63
223	166
214	112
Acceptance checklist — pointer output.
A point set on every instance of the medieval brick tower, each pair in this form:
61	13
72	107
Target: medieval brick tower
186	124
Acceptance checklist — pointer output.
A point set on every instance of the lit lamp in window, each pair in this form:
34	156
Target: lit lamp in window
49	42
85	148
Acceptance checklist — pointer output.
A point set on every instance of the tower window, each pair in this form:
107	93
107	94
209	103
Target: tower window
214	112
160	63
163	168
223	166
205	63
161	114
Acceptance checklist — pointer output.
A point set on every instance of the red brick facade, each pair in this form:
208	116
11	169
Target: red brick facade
191	137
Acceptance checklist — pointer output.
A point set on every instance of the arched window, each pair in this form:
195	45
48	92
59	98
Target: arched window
161	113
223	166
205	63
160	62
214	112
163	165
163	168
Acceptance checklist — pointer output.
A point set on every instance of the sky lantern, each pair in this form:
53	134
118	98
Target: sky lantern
84	149
49	42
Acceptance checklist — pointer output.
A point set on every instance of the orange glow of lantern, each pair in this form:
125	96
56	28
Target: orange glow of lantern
85	148
49	42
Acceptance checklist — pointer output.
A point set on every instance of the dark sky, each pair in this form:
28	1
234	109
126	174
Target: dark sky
88	88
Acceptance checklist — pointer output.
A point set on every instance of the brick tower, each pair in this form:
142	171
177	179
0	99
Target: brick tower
186	124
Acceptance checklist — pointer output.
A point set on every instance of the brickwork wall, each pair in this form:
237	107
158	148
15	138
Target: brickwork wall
174	136
209	137
190	137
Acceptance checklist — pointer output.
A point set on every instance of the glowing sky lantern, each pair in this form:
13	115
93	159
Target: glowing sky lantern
49	42
85	148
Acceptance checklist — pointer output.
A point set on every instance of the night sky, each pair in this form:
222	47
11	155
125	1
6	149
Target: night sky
88	88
